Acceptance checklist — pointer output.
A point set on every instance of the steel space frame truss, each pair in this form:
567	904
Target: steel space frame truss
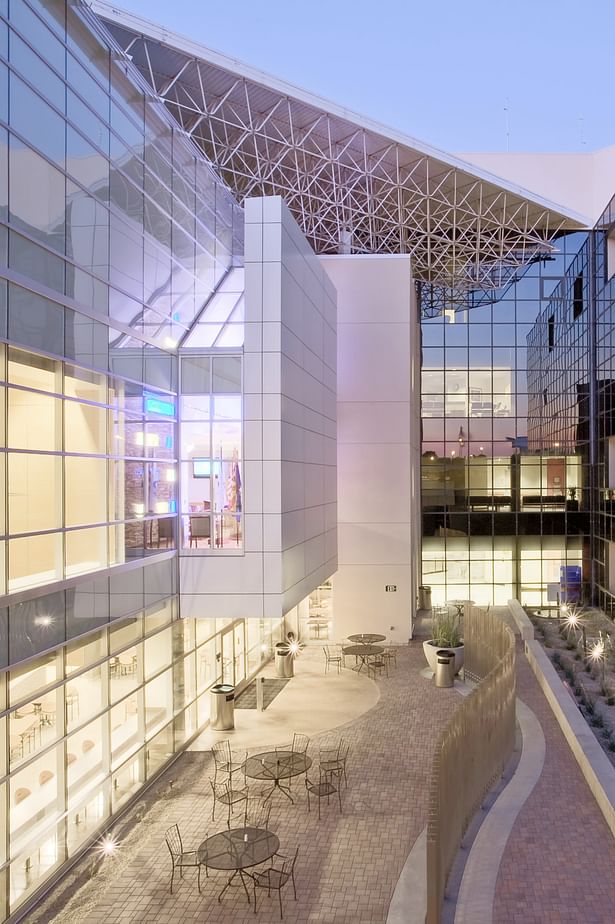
350	188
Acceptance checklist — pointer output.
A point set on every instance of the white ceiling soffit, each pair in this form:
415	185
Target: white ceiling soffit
351	183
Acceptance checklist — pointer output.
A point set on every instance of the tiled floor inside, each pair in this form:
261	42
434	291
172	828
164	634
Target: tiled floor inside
348	864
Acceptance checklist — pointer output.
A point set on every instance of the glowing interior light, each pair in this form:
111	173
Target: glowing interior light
139	509
162	507
170	475
147	439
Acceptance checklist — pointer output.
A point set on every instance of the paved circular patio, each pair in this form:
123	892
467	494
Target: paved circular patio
348	864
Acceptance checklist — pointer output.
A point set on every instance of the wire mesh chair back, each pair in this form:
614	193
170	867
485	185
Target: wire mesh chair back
287	869
174	842
257	813
227	795
275	877
222	755
333	758
300	743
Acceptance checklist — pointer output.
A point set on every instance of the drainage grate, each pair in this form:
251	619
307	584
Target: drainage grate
247	697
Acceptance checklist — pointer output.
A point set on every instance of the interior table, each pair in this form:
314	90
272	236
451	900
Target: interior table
315	624
236	850
362	653
274	766
366	638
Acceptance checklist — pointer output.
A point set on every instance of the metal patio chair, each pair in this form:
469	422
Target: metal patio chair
333	759
180	858
227	795
299	746
257	813
275	877
332	659
377	664
225	760
390	655
324	788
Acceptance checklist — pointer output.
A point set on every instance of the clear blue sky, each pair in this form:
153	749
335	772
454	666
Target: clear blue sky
441	70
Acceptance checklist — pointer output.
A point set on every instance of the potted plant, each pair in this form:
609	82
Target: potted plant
446	633
573	503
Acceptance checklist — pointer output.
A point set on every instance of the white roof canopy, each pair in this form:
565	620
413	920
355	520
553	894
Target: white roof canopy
352	184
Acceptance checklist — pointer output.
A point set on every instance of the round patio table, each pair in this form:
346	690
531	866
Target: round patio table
274	766
366	638
362	653
237	850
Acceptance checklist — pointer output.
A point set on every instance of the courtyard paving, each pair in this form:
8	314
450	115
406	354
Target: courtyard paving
348	864
557	865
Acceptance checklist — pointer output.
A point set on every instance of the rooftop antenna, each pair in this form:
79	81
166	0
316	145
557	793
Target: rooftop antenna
507	122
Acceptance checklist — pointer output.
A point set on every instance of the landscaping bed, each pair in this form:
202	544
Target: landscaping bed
587	669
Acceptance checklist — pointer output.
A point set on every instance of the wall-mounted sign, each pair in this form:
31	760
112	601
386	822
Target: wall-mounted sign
390	588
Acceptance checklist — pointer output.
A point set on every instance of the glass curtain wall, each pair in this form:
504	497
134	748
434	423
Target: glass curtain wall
88	466
87	724
501	513
114	233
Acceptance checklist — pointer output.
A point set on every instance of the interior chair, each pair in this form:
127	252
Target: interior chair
333	759
181	858
276	876
224	793
199	528
332	659
165	531
328	783
225	760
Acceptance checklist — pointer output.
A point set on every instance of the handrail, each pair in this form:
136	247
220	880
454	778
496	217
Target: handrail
472	750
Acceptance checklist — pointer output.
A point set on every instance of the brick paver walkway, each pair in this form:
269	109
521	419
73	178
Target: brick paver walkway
348	865
559	863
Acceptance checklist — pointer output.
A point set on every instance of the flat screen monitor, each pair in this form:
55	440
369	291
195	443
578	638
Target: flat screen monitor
202	468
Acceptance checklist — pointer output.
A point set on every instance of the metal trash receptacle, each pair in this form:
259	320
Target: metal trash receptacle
424	597
283	661
222	716
445	668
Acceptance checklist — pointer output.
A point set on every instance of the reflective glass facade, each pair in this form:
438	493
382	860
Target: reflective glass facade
573	373
114	236
502	508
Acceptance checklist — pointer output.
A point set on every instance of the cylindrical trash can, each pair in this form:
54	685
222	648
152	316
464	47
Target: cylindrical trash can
222	716
283	661
424	597
445	668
